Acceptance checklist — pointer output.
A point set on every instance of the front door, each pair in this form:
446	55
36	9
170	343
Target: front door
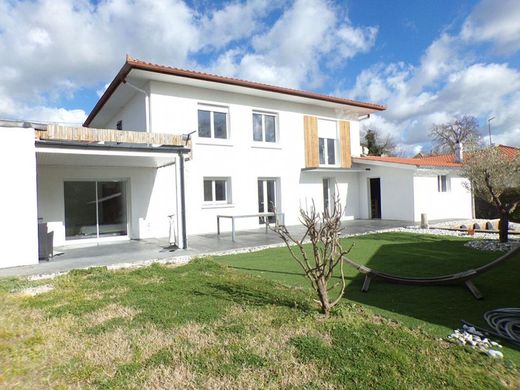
266	198
375	198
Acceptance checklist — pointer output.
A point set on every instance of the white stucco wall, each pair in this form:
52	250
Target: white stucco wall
174	110
455	203
150	192
397	196
19	227
133	114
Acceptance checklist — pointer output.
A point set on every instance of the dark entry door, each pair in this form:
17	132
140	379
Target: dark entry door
375	198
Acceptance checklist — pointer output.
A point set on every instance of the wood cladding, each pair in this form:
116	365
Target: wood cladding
344	139
310	126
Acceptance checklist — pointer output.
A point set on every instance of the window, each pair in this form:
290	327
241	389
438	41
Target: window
327	136
94	209
264	127
213	122
327	151
443	184
217	190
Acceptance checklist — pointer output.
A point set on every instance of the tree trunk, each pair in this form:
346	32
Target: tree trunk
503	225
324	297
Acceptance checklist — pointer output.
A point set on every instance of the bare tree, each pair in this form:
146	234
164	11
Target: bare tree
495	178
376	143
460	130
326	254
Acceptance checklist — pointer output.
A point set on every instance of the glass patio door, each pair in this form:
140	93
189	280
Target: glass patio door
95	209
267	198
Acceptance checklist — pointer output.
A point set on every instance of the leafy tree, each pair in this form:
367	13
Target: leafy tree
326	254
495	178
460	130
376	144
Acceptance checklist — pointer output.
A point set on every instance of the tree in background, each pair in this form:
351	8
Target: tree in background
377	144
495	178
462	129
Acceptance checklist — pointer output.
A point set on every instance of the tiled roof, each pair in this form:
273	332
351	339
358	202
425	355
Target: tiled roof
132	63
441	160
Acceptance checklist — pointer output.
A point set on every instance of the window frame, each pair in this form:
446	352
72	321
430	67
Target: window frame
325	135
326	152
263	114
212	110
227	190
443	187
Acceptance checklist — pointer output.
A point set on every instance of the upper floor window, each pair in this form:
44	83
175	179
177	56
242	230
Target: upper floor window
443	184
264	127
213	122
327	151
327	142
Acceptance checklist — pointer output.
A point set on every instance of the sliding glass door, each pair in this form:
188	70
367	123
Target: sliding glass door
95	209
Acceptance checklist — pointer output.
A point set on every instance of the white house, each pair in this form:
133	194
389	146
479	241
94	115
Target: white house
251	148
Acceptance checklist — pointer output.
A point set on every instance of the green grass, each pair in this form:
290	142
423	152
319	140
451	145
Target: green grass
438	309
207	325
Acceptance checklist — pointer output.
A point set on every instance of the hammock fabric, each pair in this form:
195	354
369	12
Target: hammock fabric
465	277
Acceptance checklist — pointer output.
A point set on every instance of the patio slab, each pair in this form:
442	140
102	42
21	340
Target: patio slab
137	251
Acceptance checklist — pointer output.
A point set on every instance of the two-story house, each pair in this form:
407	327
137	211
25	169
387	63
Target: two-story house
165	145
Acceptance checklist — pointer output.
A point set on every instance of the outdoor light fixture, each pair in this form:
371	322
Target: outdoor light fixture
489	129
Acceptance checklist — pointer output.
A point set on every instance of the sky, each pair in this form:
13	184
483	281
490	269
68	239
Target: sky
427	61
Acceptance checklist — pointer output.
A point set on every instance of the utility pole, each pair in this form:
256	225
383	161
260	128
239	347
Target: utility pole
489	129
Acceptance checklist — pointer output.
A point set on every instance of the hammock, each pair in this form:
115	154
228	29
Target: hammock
465	277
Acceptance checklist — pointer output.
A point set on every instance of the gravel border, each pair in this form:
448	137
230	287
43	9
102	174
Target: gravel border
180	260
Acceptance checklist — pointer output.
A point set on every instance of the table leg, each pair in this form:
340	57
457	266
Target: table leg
233	229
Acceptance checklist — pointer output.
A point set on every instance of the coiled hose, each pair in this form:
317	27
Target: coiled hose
505	323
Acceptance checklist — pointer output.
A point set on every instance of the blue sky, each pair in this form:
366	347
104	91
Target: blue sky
428	61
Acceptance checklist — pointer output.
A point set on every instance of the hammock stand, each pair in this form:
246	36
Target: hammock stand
465	277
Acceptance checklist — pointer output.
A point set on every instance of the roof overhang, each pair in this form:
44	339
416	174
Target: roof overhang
139	73
102	155
388	164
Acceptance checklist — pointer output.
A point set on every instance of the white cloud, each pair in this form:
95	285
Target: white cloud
496	22
289	53
445	83
52	48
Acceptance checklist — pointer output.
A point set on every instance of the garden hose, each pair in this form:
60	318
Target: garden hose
505	323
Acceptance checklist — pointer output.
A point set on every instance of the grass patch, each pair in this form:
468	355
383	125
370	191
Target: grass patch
206	325
437	309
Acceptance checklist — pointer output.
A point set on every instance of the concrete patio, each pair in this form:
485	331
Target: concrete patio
137	251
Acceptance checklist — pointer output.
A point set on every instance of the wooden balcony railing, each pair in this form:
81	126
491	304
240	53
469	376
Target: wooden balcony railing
86	134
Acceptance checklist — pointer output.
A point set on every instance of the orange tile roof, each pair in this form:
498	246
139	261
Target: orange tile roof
132	63
441	160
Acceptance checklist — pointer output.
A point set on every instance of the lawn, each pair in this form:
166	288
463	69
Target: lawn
248	325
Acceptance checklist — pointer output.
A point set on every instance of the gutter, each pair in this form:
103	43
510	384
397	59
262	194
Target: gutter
115	146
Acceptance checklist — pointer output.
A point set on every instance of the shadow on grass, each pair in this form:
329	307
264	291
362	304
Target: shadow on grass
441	305
243	294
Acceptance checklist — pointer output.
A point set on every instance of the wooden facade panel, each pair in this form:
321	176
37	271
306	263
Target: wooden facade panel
344	137
310	126
86	134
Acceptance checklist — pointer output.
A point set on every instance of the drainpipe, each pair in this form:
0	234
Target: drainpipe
183	201
146	104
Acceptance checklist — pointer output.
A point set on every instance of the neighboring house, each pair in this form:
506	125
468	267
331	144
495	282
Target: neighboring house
253	148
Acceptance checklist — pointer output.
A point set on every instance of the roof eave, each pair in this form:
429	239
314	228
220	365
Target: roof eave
133	64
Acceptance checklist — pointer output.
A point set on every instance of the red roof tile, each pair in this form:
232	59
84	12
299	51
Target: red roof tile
441	160
132	63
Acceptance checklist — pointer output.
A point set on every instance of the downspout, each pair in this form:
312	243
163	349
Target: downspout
183	201
147	110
